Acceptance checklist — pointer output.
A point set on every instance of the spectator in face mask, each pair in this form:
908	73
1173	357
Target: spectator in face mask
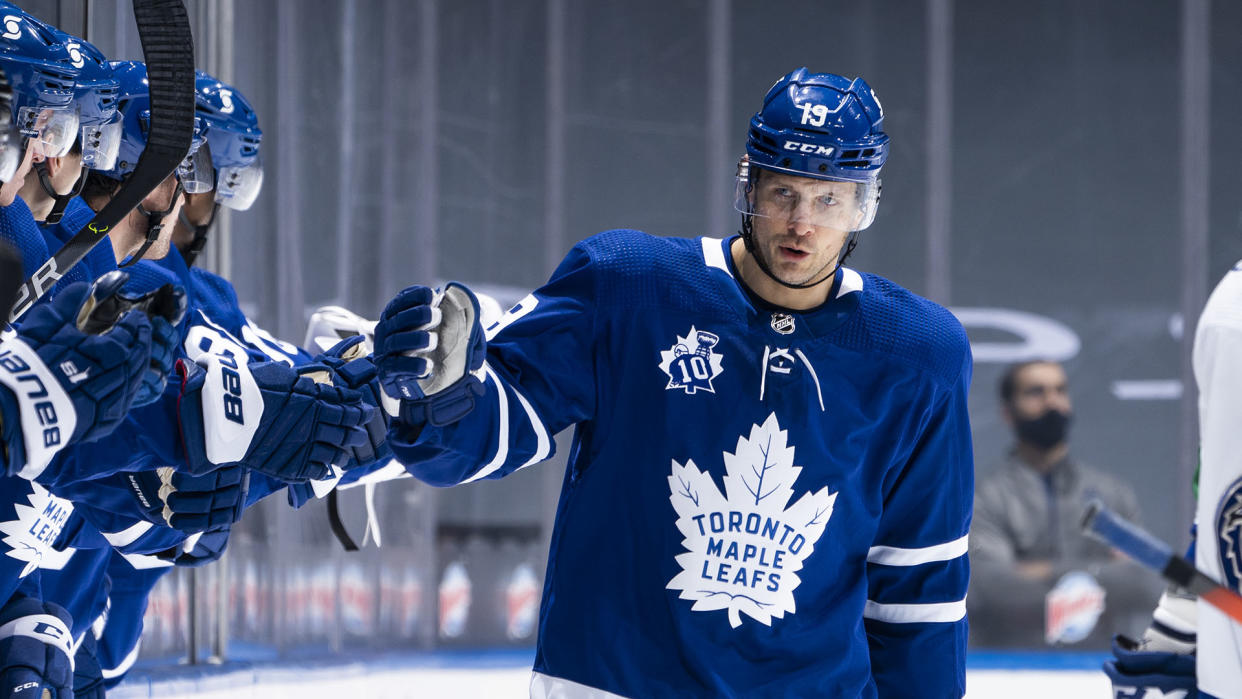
1035	579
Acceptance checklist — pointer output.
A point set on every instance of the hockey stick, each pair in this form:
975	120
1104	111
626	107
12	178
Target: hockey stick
1132	540
167	46
10	274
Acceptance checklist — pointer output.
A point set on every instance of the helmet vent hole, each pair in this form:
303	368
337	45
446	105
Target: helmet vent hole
823	167
849	154
785	162
868	153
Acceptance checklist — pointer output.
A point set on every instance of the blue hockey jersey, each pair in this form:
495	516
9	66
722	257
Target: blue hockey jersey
758	502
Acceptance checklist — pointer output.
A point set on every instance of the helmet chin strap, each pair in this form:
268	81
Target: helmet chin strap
748	239
59	201
155	224
200	234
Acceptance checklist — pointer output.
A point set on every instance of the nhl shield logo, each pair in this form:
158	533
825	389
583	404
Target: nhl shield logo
782	323
691	363
1229	535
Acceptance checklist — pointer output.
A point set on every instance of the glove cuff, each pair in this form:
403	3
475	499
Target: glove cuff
446	407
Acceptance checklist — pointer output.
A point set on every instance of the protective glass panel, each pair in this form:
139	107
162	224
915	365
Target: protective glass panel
239	186
196	173
52	131
836	205
100	145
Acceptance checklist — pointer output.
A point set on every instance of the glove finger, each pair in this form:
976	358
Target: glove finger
394	365
399	342
408	297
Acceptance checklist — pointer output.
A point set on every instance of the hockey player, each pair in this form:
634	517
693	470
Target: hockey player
181	505
769	488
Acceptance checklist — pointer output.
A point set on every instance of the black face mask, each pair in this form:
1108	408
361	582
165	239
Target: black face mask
1045	431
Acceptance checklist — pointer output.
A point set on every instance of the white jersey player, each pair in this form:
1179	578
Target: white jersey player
1218	373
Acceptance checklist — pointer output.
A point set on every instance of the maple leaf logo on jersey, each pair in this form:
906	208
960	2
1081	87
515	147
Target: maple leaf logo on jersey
690	363
29	536
744	551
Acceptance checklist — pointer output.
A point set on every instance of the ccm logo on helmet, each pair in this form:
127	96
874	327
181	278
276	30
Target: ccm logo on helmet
809	148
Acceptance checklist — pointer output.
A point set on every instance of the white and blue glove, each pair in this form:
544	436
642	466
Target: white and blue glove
1162	662
266	416
36	651
60	384
428	348
163	496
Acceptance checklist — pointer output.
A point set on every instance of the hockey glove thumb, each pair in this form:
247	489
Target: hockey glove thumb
59	384
267	416
428	347
36	651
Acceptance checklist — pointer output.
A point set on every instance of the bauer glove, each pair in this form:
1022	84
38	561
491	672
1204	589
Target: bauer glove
428	347
59	384
267	416
36	651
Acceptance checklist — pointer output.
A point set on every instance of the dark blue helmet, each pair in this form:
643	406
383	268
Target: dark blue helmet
233	137
96	93
134	105
822	126
96	89
43	75
819	125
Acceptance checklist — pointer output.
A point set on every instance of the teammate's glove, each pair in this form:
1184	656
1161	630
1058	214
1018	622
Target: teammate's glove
88	681
36	651
164	307
427	347
267	416
187	503
59	384
352	368
1162	662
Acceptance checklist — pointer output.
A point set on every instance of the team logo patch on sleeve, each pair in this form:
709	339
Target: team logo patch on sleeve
691	363
744	548
1229	535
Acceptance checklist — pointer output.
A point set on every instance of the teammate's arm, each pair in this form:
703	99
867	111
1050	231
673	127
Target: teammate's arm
538	378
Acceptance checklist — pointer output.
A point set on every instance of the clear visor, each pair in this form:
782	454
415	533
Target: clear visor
52	131
10	154
195	172
100	145
785	199
239	186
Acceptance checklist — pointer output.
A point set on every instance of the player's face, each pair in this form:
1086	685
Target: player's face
1039	388
801	223
198	209
128	235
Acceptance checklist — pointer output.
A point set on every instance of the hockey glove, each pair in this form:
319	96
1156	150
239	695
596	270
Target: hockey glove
165	307
88	681
1163	661
189	503
59	384
267	416
353	369
36	651
428	347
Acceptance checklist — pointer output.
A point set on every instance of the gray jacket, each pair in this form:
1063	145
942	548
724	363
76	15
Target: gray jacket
1021	515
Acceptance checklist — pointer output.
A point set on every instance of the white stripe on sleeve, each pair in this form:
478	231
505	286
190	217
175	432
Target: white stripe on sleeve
915	613
893	556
